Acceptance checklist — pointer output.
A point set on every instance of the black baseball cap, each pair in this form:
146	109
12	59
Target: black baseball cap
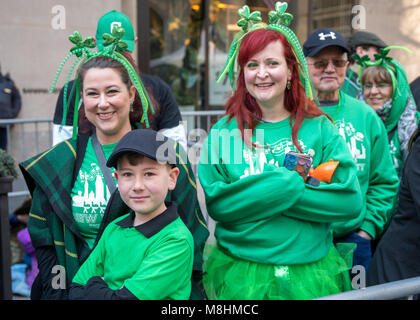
321	39
364	38
146	142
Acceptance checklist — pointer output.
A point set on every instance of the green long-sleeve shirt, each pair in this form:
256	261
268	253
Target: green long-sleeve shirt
266	213
367	140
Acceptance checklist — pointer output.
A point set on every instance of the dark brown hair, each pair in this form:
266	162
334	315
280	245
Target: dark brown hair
102	62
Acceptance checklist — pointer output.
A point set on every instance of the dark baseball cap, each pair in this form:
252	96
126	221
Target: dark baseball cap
363	38
148	143
321	39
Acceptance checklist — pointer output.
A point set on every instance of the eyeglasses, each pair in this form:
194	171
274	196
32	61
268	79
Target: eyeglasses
379	86
323	63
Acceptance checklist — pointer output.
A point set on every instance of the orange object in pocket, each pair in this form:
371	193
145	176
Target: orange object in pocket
324	171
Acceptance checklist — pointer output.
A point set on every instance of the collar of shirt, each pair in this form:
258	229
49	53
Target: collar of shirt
153	226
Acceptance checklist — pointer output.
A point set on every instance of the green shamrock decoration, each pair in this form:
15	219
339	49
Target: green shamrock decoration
362	61
77	39
382	55
279	16
115	39
248	18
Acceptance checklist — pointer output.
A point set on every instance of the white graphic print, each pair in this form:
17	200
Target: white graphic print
355	141
90	203
256	158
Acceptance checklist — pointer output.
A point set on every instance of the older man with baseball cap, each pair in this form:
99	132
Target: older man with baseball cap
362	43
168	121
327	54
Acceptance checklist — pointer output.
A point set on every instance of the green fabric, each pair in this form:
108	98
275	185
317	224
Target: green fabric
351	84
396	154
401	94
266	213
90	194
367	140
51	222
154	268
224	277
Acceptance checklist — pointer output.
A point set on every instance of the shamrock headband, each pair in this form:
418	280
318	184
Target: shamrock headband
279	21
382	59
113	47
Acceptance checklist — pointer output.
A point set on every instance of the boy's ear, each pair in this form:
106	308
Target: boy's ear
173	176
116	174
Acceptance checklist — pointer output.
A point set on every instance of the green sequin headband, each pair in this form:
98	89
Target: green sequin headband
279	21
113	47
381	59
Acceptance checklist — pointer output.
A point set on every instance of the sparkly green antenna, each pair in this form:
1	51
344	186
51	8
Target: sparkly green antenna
113	47
279	21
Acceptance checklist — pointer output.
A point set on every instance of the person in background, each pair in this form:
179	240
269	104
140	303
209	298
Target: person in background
168	118
397	254
385	88
360	43
273	232
364	132
10	104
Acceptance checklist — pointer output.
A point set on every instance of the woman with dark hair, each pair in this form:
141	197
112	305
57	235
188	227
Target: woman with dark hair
273	232
73	190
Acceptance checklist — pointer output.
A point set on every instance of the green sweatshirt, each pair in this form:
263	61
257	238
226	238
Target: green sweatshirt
367	140
266	213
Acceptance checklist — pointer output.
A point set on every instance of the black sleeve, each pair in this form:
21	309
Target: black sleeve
97	289
47	259
58	113
169	114
16	101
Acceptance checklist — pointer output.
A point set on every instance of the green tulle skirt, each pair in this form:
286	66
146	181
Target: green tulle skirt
229	278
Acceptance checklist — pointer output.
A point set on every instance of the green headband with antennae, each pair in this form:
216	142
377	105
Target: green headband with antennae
113	47
279	21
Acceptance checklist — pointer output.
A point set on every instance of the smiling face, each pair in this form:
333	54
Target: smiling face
107	103
327	80
266	75
377	89
143	184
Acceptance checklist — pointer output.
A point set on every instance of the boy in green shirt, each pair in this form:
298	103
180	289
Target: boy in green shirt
146	254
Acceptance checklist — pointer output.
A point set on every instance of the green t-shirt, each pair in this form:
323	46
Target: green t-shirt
265	212
366	137
90	194
153	261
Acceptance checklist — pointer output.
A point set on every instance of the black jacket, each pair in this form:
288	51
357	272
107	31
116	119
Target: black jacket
398	253
10	100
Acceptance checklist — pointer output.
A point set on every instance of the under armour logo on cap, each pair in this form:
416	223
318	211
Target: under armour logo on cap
324	37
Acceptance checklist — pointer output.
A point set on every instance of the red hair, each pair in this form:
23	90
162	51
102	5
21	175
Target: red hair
244	107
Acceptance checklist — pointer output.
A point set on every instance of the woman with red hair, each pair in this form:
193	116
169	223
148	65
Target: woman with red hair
273	231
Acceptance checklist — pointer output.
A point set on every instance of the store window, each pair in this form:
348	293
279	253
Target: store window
188	49
176	44
334	14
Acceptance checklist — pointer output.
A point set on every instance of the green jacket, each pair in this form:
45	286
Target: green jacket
50	177
366	137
